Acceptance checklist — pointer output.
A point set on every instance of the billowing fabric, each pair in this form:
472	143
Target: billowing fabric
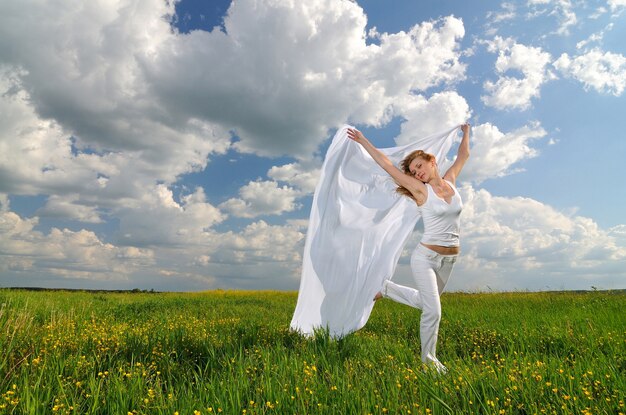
357	229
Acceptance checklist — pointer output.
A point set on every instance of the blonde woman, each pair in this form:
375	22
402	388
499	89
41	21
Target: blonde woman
434	257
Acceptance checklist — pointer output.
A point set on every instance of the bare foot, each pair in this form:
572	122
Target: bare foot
378	296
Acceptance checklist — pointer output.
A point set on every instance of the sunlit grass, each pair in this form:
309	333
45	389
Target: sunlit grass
232	352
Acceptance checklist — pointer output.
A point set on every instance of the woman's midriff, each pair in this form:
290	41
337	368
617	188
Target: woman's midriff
444	250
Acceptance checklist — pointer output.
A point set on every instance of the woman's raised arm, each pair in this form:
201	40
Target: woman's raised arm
461	156
410	183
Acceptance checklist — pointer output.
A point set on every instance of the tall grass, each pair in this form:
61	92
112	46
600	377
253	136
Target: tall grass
232	352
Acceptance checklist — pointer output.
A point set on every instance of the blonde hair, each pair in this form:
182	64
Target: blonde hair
404	166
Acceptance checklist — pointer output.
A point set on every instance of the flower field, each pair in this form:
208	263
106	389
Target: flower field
231	352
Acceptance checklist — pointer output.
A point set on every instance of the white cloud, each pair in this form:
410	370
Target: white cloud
522	244
598	13
262	242
616	5
65	208
508	12
619	230
259	256
64	253
40	157
159	220
31	150
257	79
262	198
73	71
425	56
428	116
619	233
510	92
594	37
106	100
303	175
494	153
103	107
603	71
508	243
563	10
4	202
79	65
506	237
203	260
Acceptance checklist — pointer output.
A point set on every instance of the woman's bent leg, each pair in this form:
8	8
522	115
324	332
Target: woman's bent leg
444	271
401	294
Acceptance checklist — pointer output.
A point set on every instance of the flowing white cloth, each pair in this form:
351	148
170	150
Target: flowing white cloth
357	229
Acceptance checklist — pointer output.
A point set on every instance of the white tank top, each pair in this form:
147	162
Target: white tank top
441	219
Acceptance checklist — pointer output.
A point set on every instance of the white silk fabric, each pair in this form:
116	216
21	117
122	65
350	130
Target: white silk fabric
357	230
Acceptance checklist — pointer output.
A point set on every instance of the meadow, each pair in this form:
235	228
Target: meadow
232	352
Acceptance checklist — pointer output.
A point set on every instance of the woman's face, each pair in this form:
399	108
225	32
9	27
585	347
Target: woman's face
421	169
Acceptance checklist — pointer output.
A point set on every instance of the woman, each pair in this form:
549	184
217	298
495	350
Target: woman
433	259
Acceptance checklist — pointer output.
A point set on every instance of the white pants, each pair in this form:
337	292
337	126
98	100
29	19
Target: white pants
431	272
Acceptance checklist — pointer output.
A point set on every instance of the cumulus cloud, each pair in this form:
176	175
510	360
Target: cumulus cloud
508	12
522	244
94	101
616	5
4	202
76	108
66	208
64	253
619	230
259	256
39	156
31	149
494	153
619	233
160	220
510	92
262	242
603	71
595	37
563	10
303	175
423	116
262	198
104	108
255	78
78	64
505	237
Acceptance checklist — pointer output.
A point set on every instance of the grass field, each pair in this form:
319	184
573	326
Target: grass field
232	353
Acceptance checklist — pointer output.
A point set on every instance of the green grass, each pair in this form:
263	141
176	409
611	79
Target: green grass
232	352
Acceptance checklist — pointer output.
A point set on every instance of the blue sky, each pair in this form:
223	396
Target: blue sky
176	146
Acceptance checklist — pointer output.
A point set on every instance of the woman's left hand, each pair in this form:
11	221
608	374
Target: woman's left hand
356	135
